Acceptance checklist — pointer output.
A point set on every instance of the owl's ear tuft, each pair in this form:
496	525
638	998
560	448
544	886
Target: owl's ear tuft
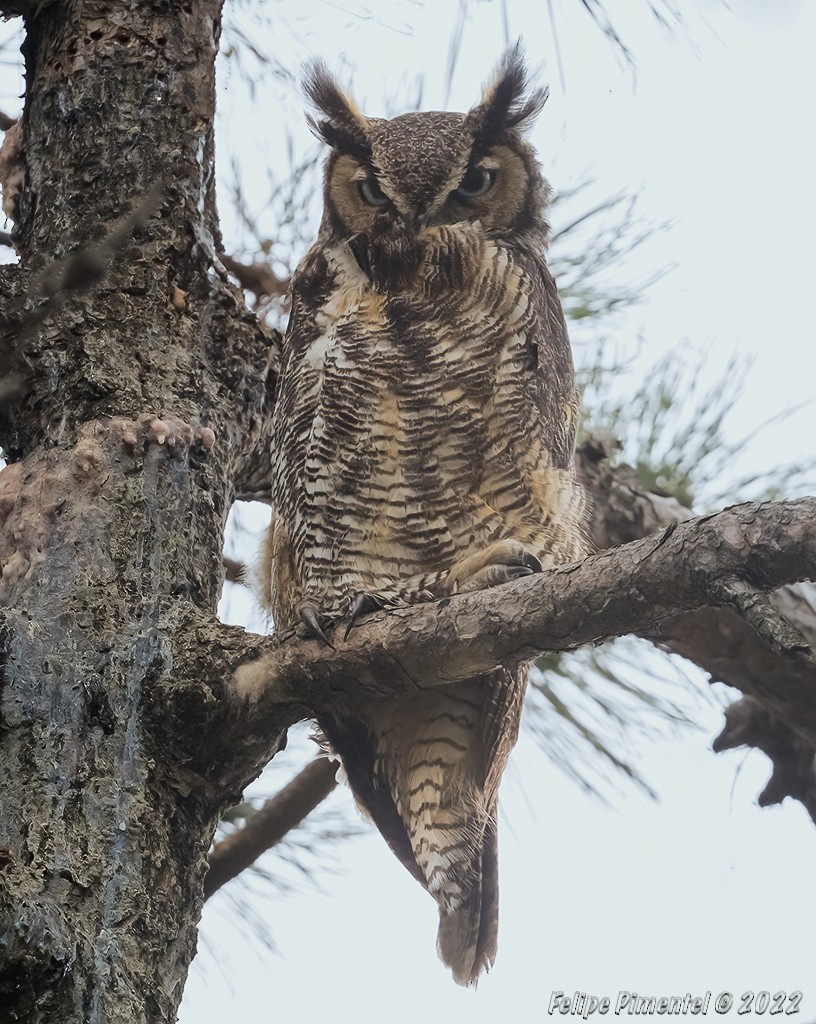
506	103
343	127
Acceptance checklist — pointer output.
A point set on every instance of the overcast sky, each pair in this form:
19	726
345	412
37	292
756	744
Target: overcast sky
701	890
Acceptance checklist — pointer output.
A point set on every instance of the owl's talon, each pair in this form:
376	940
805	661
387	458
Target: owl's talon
530	561
507	573
501	562
495	575
362	604
314	624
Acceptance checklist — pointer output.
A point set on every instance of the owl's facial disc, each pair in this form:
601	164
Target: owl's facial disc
383	220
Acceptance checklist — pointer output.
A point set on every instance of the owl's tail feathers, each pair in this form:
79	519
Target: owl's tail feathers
468	930
421	791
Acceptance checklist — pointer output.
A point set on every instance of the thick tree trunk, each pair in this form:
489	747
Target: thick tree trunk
105	821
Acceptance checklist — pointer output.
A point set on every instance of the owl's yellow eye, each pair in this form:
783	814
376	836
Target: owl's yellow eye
371	193
476	182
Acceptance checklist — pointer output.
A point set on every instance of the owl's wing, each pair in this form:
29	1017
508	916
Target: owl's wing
501	715
371	788
553	390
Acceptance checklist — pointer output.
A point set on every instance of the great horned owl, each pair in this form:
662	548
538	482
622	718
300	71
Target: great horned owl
424	434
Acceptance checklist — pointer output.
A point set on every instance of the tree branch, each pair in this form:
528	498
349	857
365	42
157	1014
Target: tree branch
635	588
620	509
747	723
234	571
259	278
284	811
718	640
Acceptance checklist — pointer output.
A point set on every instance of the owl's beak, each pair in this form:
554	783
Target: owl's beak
359	250
390	252
409	223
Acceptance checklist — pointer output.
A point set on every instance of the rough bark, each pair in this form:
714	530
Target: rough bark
105	532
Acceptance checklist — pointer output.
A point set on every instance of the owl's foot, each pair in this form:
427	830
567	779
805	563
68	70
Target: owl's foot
362	604
314	624
501	562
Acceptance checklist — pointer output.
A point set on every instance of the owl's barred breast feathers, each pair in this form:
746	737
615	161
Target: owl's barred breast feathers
423	444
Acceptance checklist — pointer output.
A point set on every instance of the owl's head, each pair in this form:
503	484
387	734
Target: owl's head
387	181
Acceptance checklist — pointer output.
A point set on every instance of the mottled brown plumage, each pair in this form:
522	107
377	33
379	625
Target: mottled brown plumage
424	432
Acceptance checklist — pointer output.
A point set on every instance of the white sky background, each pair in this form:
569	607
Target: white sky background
700	890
